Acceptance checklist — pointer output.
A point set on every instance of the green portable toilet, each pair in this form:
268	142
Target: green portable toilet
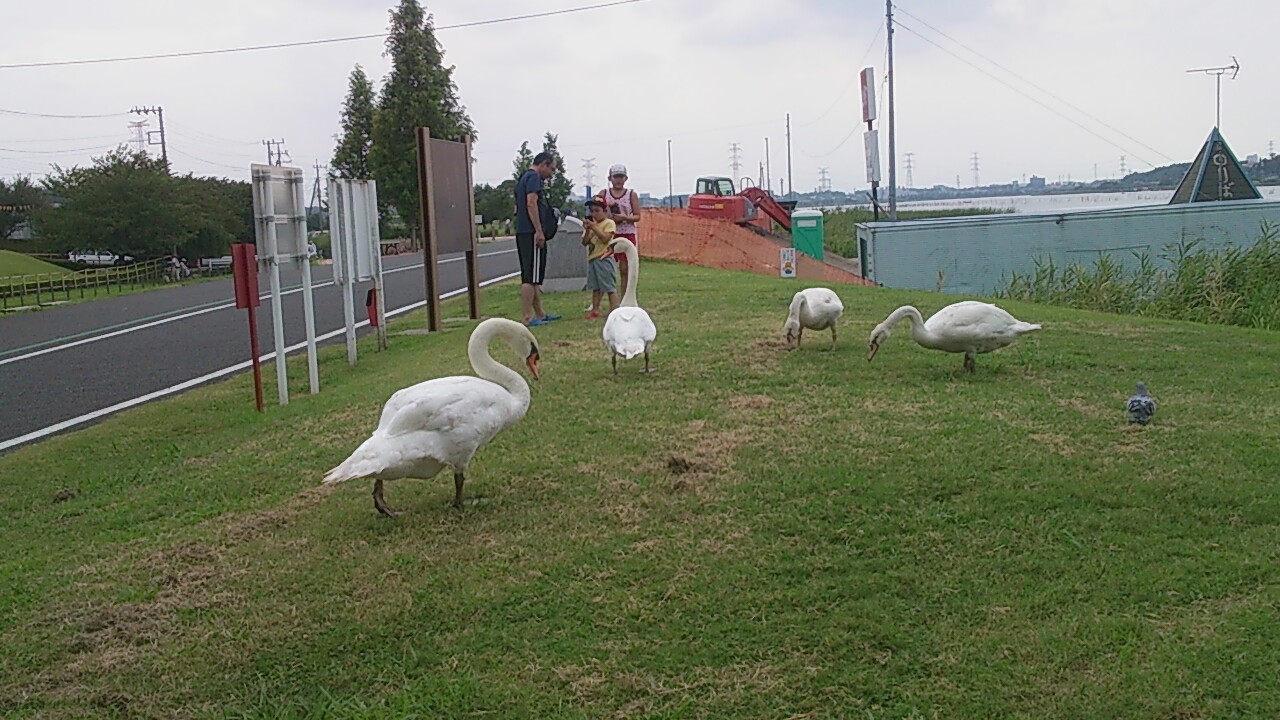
807	232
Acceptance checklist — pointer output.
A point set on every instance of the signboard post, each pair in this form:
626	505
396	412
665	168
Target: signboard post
244	268
447	198
787	262
353	226
871	138
280	226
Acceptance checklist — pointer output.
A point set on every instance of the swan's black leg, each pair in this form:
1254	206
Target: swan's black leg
646	362
458	480
969	364
615	363
833	337
380	503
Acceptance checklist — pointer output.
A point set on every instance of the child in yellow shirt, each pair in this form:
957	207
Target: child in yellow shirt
597	233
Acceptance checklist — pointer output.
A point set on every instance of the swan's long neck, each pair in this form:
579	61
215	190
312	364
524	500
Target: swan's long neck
633	277
492	370
797	304
918	331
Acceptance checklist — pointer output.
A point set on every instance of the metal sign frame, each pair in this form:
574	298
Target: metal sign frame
356	247
280	228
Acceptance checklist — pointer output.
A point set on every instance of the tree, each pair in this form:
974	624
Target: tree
418	92
18	201
558	186
524	159
129	204
495	203
351	157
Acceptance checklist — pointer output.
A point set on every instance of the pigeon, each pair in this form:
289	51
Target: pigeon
1141	406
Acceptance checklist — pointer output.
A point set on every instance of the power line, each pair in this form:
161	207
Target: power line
244	168
60	152
59	140
301	43
852	81
61	117
1018	90
1032	84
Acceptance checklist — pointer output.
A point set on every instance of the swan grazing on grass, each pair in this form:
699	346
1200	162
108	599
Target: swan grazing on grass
629	331
443	422
812	309
968	327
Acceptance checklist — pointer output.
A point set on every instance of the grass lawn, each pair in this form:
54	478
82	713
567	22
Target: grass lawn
748	533
15	263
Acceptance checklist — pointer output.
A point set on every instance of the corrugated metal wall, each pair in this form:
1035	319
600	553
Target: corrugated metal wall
977	255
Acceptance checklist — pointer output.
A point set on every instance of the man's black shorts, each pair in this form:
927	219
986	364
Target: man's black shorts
533	260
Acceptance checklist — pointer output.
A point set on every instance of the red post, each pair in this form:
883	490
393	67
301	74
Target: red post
371	307
244	267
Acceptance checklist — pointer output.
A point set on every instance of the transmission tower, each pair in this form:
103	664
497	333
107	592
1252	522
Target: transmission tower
1271	148
589	172
735	160
276	154
139	130
1124	168
159	112
910	162
824	180
974	161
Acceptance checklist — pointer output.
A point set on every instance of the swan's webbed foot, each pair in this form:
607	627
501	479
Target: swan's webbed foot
458	480
381	504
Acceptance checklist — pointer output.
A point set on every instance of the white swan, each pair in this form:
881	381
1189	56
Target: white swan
812	309
443	422
629	331
968	327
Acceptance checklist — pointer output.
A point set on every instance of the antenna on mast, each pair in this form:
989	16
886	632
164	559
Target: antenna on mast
1218	72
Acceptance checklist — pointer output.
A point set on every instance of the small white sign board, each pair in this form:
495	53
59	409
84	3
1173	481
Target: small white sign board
357	253
353	229
787	262
871	146
868	78
280	230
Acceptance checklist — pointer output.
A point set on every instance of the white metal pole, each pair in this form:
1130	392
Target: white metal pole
298	225
371	202
343	258
277	313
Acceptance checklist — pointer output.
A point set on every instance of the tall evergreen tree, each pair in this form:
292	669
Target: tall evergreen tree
558	185
524	159
419	92
351	157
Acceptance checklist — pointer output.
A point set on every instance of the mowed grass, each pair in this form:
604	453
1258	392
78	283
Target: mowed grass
16	263
748	533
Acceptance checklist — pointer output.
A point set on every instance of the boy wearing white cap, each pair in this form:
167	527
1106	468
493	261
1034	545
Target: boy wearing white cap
624	210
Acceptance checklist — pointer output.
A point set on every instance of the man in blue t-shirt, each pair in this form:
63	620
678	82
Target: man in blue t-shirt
531	238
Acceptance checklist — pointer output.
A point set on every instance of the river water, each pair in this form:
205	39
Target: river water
1051	203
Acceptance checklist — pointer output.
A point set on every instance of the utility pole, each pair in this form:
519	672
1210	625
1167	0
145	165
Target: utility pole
974	165
276	152
768	176
317	196
910	166
824	180
1218	72
893	162
671	187
589	174
1124	170
790	185
164	147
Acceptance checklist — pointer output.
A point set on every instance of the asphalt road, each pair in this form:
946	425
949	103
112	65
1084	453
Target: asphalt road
60	364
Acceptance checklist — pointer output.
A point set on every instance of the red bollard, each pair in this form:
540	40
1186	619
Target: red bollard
371	307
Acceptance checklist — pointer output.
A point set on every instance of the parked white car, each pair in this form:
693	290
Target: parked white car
99	258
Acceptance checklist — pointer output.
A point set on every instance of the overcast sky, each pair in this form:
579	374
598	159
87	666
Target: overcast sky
616	83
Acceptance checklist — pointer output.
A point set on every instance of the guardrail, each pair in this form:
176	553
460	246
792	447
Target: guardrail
44	288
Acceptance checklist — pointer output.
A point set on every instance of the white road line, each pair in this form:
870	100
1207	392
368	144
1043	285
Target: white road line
82	419
184	316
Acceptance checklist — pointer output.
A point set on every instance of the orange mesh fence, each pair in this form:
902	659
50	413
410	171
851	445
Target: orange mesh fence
674	235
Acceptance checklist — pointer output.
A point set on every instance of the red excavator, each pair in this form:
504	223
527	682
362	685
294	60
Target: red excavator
715	198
